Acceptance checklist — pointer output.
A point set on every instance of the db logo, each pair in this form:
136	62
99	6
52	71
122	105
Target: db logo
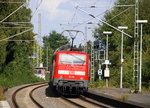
71	72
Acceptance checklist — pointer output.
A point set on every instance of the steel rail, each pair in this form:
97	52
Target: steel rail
15	93
31	96
73	103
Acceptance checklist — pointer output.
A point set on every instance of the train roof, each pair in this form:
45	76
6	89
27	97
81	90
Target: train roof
67	49
73	52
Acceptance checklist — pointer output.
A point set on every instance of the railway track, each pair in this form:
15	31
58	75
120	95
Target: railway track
84	102
50	99
53	100
30	92
96	101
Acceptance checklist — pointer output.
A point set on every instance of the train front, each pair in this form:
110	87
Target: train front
71	72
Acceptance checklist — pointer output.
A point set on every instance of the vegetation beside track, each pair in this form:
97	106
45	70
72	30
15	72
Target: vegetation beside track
125	19
16	66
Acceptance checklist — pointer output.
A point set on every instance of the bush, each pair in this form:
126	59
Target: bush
97	84
1	93
17	74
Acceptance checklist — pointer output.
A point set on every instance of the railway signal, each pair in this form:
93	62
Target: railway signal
98	45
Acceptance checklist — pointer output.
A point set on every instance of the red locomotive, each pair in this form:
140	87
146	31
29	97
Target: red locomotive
70	72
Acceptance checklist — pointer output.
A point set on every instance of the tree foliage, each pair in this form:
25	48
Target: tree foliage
51	42
127	19
15	66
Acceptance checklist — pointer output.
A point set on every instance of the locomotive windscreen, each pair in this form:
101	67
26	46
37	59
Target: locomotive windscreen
72	59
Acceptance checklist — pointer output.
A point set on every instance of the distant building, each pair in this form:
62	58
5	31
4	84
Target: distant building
40	71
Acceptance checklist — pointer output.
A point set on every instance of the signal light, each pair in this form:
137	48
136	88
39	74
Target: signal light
98	45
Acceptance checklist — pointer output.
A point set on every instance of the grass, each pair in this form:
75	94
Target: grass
145	91
16	80
100	84
124	98
2	93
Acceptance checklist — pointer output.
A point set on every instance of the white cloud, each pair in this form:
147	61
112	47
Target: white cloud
55	12
51	10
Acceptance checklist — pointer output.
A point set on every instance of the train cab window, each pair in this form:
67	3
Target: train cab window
72	59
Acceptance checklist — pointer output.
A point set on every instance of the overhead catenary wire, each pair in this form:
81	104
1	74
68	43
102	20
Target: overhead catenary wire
108	5
16	34
74	15
18	9
92	18
12	2
13	27
15	22
118	14
2	21
37	8
85	22
12	13
105	23
105	12
20	40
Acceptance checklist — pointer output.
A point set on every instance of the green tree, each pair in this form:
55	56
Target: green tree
127	19
53	41
14	58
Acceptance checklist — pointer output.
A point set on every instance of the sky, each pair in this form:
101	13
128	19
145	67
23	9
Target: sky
56	14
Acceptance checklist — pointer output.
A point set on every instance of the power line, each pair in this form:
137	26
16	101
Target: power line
20	40
15	22
108	5
17	34
13	27
12	13
37	8
91	18
118	14
105	22
12	2
74	15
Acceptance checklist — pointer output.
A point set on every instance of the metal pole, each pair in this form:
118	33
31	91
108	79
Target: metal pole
47	58
121	67
39	34
136	48
85	46
34	52
100	76
106	82
107	59
107	47
72	43
92	63
140	74
37	60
